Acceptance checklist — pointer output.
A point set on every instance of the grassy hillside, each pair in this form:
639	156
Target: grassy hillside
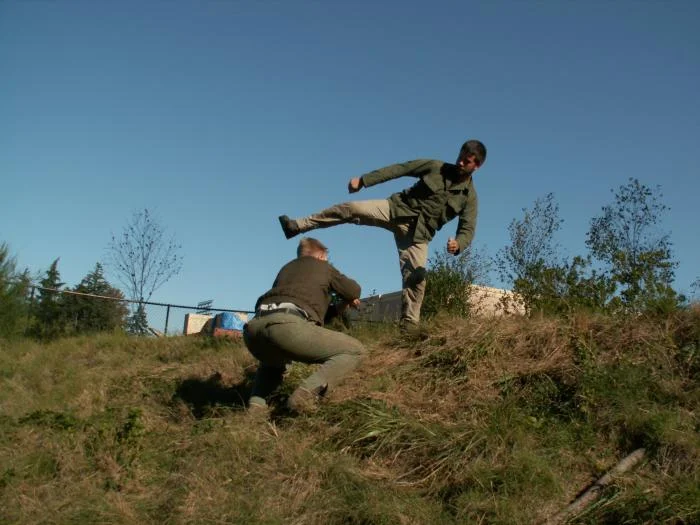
476	421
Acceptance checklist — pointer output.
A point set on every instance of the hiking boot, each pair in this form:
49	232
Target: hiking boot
408	328
303	401
417	276
289	226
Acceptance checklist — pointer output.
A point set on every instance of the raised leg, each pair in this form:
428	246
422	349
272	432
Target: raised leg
365	213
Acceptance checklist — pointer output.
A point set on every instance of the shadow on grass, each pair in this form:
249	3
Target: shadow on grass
204	396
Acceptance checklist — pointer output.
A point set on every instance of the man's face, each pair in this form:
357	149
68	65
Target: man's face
467	163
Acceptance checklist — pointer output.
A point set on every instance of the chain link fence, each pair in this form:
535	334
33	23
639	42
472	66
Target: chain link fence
162	318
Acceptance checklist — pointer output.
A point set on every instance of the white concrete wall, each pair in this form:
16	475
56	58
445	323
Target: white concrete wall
485	300
194	323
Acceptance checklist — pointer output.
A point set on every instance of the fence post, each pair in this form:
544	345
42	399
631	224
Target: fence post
167	316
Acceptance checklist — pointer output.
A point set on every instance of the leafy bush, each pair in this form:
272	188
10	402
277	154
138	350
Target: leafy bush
449	280
626	239
564	288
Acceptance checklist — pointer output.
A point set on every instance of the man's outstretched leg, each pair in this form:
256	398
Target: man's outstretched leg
365	213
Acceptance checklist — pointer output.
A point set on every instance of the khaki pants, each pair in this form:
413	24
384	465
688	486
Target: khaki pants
278	339
412	255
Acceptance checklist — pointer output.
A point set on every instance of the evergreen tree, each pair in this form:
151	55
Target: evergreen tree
90	314
49	314
138	323
13	295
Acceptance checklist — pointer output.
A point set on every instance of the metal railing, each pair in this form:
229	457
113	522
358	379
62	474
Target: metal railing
151	304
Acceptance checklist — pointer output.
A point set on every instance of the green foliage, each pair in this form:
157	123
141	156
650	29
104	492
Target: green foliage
449	279
564	288
49	313
113	433
89	314
637	256
695	290
532	243
638	270
137	323
545	395
542	280
51	419
14	286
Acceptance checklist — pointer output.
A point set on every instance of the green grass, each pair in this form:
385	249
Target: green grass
469	421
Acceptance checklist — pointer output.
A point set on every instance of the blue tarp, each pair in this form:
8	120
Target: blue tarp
229	321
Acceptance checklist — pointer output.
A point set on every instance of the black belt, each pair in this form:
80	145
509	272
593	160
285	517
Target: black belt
292	311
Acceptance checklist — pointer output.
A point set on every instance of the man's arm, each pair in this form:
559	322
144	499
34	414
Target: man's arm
467	223
413	168
346	288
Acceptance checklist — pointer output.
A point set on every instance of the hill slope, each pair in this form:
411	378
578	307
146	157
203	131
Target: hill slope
472	421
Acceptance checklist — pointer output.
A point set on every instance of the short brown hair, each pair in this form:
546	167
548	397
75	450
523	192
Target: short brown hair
310	246
476	148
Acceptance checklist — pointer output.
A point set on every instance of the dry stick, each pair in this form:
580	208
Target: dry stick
592	493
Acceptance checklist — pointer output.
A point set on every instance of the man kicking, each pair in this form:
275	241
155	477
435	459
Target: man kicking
444	191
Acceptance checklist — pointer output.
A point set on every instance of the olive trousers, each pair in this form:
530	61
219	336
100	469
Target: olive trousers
280	338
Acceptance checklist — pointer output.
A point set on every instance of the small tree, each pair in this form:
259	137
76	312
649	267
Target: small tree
13	294
137	324
49	314
637	255
531	261
88	314
532	243
144	259
449	279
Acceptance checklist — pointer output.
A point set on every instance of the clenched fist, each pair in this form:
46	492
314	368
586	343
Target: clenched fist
355	185
452	246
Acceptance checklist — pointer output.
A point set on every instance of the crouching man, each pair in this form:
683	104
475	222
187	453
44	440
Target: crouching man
288	327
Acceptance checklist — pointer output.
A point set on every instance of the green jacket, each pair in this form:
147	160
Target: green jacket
308	282
434	200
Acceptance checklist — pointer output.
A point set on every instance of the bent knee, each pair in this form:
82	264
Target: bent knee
360	350
346	210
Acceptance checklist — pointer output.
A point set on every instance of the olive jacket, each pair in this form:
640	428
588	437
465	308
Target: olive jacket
307	282
437	198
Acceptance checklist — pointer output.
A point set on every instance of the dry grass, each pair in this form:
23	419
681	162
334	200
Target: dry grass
471	421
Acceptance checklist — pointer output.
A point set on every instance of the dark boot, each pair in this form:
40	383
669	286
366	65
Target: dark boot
409	328
289	226
303	401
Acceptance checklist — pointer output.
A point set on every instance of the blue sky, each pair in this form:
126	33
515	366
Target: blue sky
220	115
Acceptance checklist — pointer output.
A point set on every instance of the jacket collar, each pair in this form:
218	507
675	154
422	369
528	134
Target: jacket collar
450	173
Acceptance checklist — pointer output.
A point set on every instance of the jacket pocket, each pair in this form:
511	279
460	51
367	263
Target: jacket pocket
455	204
